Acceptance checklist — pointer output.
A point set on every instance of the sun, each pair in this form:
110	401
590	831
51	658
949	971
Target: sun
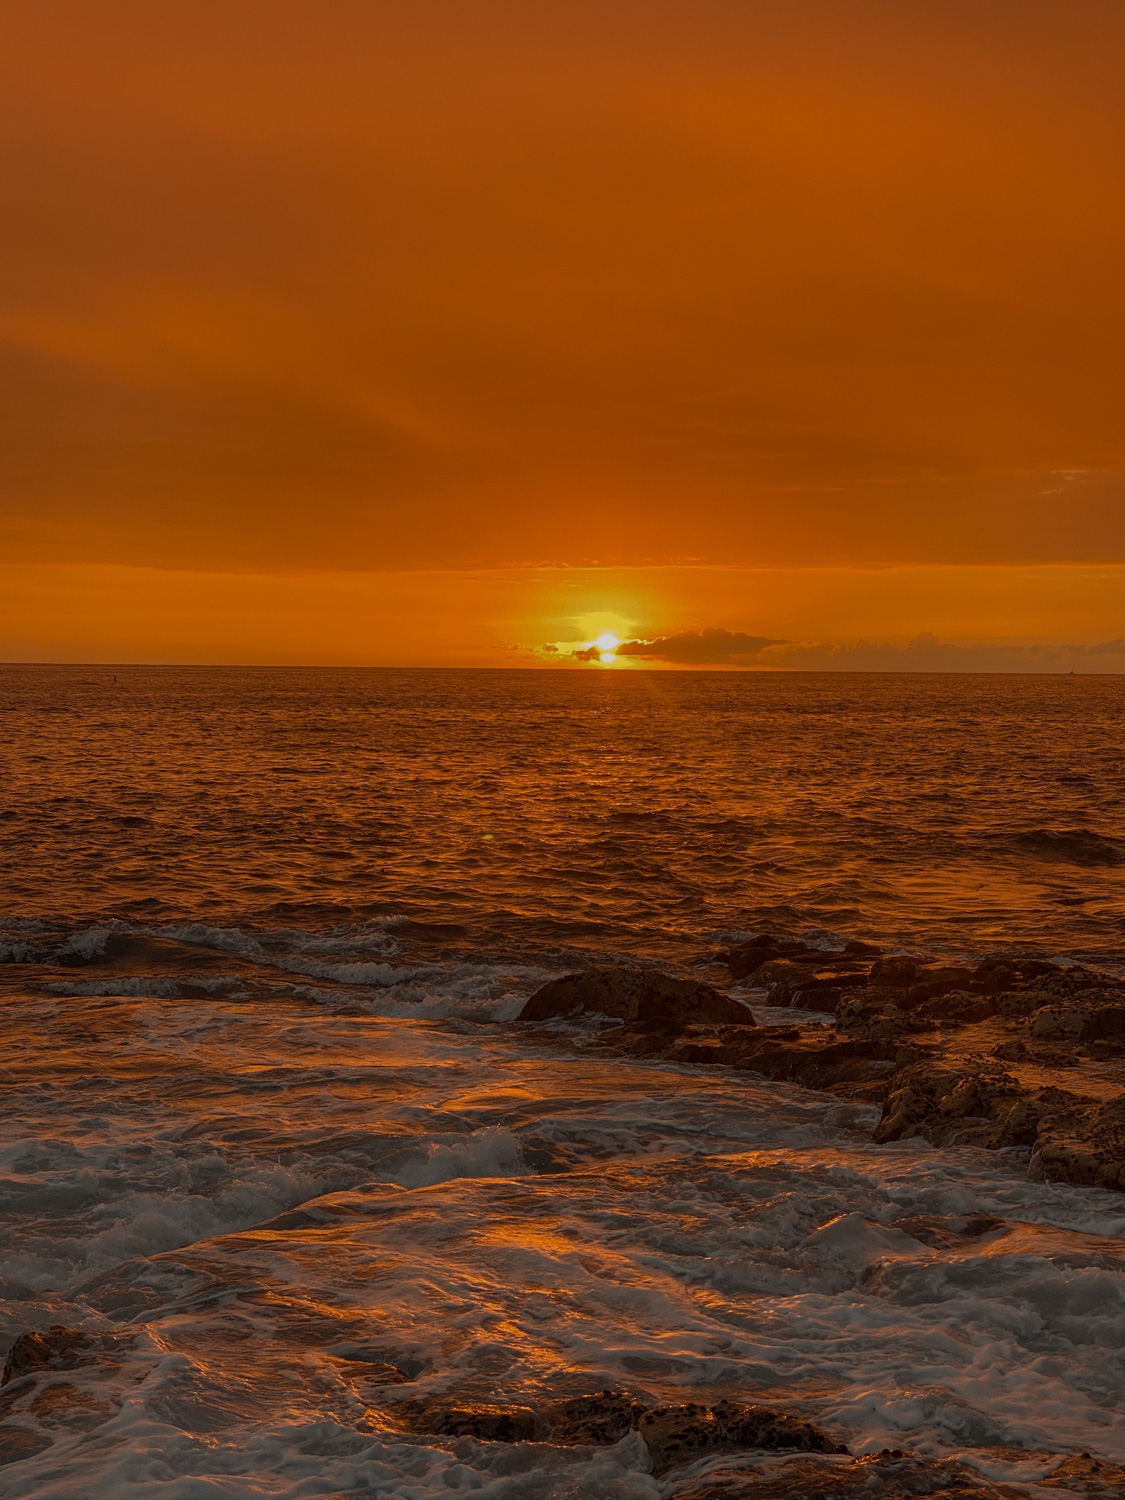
607	642
606	658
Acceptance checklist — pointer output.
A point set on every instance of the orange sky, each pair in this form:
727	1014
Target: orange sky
577	294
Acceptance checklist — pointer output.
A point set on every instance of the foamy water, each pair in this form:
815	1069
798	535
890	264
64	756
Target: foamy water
269	1147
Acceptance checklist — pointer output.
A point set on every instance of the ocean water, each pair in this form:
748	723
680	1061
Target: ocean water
267	1126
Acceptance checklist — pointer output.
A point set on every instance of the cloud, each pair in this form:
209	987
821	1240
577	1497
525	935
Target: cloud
710	647
926	652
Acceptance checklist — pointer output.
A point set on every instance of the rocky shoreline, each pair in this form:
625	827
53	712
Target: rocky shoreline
770	1455
959	1056
1025	1056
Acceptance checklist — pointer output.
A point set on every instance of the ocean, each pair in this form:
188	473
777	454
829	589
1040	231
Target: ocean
271	1130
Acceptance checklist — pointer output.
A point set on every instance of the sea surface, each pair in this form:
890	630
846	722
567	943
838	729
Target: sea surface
267	1125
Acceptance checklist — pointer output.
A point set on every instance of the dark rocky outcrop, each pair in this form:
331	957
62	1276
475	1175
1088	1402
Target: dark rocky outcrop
674	1435
746	958
904	1037
816	1056
602	1418
1074	1138
678	1435
1098	1015
58	1349
890	1475
1082	1146
488	1424
629	994
1085	1475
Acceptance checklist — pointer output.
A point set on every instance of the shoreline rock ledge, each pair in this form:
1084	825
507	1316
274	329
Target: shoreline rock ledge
636	996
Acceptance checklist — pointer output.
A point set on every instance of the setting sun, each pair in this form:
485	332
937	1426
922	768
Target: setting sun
607	642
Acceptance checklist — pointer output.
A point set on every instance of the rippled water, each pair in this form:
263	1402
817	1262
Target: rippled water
266	1120
640	811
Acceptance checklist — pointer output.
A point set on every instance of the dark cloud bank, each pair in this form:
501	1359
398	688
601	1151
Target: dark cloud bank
715	647
700	647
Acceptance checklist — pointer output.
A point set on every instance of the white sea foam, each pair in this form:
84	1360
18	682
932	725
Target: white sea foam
493	1152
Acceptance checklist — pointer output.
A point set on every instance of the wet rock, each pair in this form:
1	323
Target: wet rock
602	1418
815	1056
748	958
1091	1020
871	1013
58	1349
1073	1138
1083	1146
633	995
1017	1050
894	972
931	984
890	1475
819	988
947	1106
745	959
678	1435
1085	1475
955	1008
760	1427
488	1424
781	977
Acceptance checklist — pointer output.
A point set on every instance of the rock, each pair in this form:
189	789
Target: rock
893	972
760	1427
674	1434
1086	1147
488	1424
931	984
780	977
1018	1051
747	958
869	1013
639	996
1086	1022
1085	1475
58	1349
947	1106
678	1435
815	1056
1073	1138
890	1475
955	1007
814	989
602	1418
